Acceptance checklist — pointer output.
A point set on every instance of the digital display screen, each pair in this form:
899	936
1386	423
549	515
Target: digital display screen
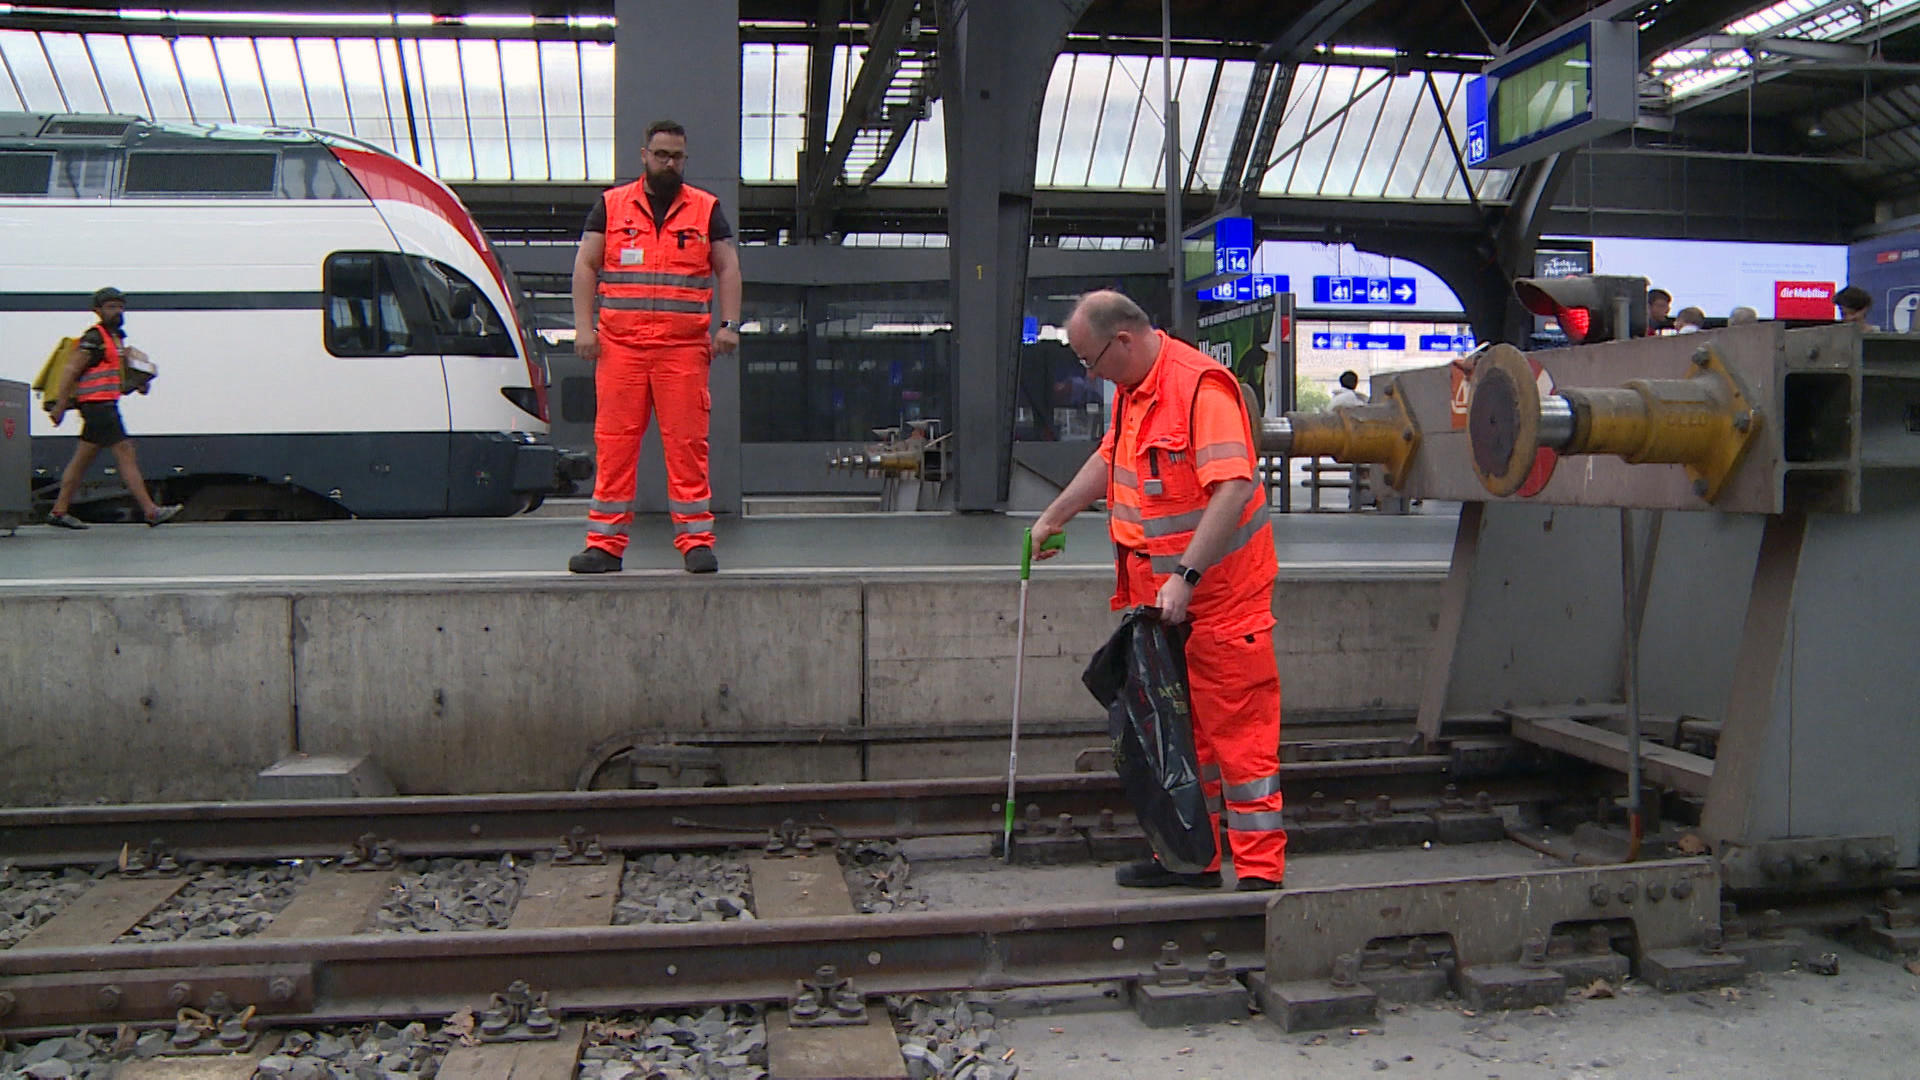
1544	95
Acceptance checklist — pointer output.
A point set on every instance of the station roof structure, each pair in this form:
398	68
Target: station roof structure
1313	113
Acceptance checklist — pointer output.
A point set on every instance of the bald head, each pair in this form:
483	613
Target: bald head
1113	337
1107	312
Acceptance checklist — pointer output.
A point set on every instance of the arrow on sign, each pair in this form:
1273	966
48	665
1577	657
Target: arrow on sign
1403	293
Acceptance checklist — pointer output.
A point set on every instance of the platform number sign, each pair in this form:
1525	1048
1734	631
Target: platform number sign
1354	289
1477	148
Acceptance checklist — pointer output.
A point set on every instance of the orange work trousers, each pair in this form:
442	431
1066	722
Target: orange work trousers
1234	681
631	383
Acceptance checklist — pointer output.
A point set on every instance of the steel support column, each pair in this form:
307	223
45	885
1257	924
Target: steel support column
705	98
822	178
995	59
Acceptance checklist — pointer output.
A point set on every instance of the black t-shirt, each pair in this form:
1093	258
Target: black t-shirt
718	228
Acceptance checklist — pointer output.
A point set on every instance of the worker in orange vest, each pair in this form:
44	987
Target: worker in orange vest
652	254
91	381
1191	538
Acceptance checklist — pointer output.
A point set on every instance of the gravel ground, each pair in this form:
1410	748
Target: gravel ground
683	889
223	902
29	898
1859	1026
436	895
879	877
951	1038
718	1044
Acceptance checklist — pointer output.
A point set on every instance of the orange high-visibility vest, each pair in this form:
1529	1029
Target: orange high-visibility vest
101	382
1155	498
656	285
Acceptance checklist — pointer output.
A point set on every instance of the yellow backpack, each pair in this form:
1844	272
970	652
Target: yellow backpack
48	381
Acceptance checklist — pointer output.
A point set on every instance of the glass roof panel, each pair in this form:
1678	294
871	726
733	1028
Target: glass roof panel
525	112
74	68
1216	142
160	76
325	79
224	78
565	119
1403	99
486	108
1086	89
113	67
596	76
756	113
789	110
1120	105
1053	115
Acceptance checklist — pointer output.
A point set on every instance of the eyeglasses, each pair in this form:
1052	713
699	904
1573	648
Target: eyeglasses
1088	365
674	156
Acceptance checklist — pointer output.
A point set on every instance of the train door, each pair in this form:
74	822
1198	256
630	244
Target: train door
378	323
489	400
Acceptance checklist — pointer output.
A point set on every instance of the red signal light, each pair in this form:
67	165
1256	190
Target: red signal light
1576	322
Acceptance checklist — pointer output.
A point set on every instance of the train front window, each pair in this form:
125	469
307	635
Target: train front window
464	320
365	316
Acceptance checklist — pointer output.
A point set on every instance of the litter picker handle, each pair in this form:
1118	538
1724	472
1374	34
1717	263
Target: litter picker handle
1056	542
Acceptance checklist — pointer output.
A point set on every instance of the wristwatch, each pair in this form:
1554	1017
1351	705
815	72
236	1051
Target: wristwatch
729	324
1187	573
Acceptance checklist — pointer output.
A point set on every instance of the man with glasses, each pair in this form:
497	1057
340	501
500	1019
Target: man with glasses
652	254
1191	538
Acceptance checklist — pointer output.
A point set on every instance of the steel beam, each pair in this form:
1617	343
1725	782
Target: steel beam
995	59
1320	23
869	88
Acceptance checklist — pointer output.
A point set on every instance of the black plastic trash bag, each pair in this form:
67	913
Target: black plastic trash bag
1140	675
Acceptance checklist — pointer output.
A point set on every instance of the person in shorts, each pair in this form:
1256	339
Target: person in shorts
90	383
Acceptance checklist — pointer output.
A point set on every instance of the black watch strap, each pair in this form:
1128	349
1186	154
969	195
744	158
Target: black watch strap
1191	575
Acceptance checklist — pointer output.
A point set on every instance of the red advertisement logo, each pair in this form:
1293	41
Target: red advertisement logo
1803	299
7	427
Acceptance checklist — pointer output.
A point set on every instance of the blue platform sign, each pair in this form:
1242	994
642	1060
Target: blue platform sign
1478	146
1447	343
1029	330
1233	245
1251	287
1364	290
1360	342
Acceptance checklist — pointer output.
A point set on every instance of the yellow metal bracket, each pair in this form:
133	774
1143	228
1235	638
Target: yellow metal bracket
1381	433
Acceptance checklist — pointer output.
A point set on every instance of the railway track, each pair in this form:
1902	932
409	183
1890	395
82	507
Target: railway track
316	962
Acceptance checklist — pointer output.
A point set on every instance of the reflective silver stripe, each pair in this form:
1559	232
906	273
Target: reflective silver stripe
1167	564
1219	450
702	526
1170	524
650	303
1263	821
688	507
1255	789
606	528
1124	512
1209	770
1214	804
650	277
599	507
1125	477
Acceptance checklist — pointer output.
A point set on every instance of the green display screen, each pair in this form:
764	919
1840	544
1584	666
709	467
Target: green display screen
1544	96
1197	256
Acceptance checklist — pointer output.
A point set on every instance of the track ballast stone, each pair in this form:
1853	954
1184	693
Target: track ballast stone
223	902
949	1038
721	1043
30	898
879	877
437	895
684	889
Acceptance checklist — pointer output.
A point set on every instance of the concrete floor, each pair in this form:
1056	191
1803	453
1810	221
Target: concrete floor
1859	1025
531	547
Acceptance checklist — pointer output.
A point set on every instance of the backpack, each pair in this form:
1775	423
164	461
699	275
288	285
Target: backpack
48	381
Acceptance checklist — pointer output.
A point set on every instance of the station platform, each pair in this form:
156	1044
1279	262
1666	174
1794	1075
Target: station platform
174	663
532	548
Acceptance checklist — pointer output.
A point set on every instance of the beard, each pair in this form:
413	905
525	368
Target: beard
114	322
664	184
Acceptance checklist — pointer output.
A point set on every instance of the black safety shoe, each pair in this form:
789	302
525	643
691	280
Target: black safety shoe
1149	874
593	561
65	521
1258	884
700	560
